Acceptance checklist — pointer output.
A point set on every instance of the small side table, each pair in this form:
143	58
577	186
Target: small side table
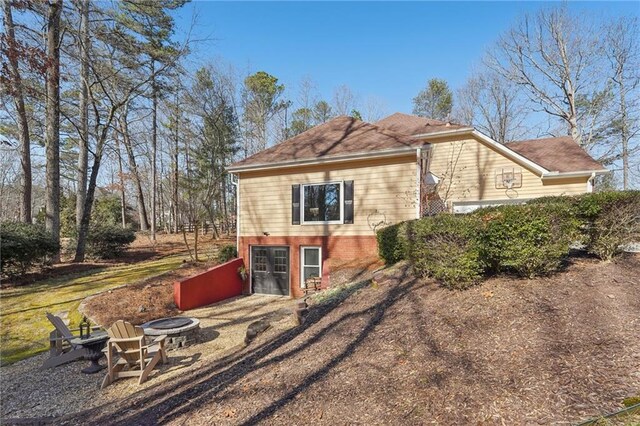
94	345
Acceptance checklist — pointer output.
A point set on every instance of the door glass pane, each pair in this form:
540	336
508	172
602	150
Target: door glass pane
280	261
312	256
260	260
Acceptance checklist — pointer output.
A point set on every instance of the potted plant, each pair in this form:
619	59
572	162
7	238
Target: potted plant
242	271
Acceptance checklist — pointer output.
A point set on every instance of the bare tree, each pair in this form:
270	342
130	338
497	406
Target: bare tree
449	185
621	42
373	109
344	101
491	104
552	55
307	93
12	51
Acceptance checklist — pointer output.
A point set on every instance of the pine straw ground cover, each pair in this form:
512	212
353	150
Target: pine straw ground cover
398	350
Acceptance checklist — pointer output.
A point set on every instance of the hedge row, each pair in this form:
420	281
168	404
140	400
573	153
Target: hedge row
526	240
608	220
24	246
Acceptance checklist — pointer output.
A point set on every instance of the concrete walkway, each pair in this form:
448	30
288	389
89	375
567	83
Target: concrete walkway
29	392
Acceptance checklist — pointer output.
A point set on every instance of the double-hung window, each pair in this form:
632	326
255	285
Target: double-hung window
310	264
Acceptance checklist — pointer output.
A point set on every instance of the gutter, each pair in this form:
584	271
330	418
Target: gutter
462	131
390	153
582	173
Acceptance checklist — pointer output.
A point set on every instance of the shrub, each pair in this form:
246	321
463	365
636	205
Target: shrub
227	253
445	247
23	246
612	219
107	241
390	243
528	240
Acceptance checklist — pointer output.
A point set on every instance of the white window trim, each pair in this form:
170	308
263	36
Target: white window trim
341	201
302	264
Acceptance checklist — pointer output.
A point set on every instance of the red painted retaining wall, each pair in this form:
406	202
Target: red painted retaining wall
218	283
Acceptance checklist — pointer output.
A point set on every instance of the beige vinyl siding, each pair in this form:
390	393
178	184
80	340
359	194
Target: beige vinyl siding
384	190
467	169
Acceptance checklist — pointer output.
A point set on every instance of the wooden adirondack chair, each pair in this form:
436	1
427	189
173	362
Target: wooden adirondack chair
61	350
134	357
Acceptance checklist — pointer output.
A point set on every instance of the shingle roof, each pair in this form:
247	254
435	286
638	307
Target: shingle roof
414	125
560	154
339	136
346	136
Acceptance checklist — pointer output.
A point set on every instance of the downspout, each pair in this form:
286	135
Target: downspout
236	183
418	182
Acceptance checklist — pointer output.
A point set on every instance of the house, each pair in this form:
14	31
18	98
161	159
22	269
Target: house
322	194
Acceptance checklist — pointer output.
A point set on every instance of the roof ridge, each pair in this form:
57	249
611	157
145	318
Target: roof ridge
541	139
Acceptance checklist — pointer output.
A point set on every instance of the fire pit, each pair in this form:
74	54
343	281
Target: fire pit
180	331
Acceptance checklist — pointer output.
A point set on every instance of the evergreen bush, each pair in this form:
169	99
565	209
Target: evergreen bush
528	240
227	253
390	243
107	241
445	247
611	220
24	245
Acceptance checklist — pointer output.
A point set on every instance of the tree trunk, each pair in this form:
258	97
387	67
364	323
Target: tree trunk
162	221
83	141
624	134
574	130
142	209
186	242
225	206
195	241
176	167
52	133
83	231
175	191
23	123
154	148
123	200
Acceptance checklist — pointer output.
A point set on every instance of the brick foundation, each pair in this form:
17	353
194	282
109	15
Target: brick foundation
333	247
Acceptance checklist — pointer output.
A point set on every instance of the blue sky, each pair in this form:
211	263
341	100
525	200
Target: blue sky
382	49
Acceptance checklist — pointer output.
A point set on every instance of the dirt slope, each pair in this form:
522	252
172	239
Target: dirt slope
404	351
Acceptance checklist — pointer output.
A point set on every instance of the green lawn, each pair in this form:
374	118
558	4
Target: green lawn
25	328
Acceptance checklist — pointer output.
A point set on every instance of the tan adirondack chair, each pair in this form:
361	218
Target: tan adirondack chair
134	358
61	350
